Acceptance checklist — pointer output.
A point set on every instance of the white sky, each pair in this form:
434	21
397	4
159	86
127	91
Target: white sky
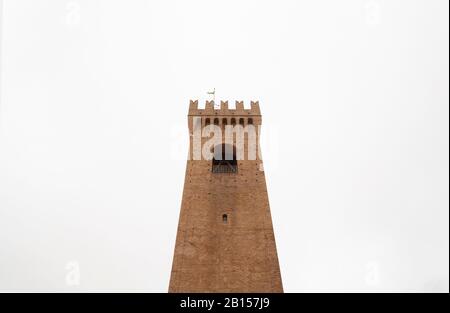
93	136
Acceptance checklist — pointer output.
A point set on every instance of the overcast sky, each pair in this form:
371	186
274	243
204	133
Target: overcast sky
93	136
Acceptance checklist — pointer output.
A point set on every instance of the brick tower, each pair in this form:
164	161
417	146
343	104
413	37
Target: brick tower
225	240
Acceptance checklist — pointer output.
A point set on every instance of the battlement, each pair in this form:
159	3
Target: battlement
224	109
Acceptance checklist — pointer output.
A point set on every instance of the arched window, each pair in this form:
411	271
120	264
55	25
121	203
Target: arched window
207	122
224	121
250	121
233	121
216	121
225	218
224	160
241	121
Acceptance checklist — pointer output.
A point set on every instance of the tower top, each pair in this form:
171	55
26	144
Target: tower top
224	110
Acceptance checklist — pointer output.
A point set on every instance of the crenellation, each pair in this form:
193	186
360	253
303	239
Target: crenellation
209	107
255	107
224	108
193	106
239	105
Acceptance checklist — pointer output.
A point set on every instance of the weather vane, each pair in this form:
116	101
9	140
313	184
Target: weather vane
213	93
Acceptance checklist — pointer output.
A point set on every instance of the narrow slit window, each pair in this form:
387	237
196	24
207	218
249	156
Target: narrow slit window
225	218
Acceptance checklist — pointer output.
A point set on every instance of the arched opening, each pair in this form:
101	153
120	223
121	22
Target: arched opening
225	218
216	121
207	122
241	121
224	160
233	121
250	121
224	121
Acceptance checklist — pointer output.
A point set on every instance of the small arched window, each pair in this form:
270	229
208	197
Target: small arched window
207	122
216	121
250	121
224	121
233	121
225	218
241	121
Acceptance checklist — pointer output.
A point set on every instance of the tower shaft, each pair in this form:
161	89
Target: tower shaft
225	240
